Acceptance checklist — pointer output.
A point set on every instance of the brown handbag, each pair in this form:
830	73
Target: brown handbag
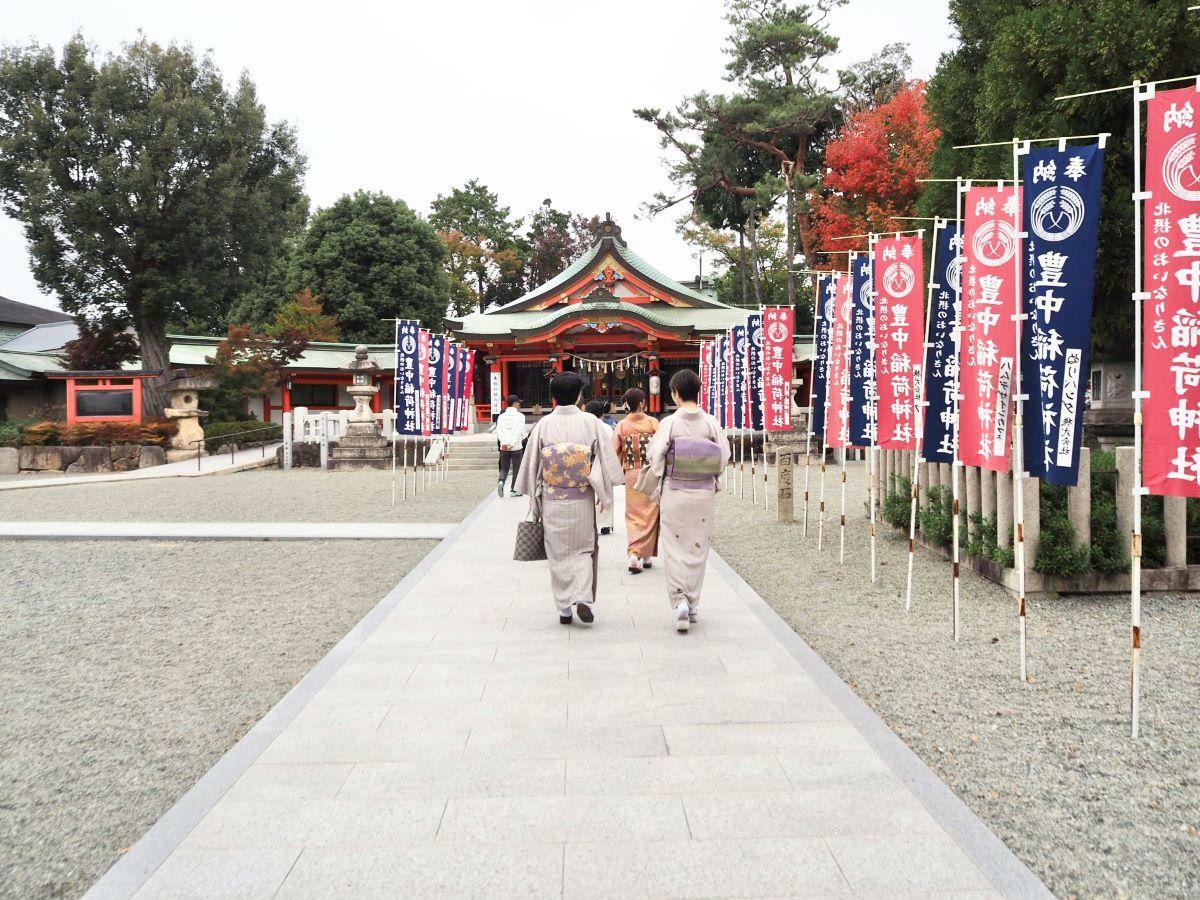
531	541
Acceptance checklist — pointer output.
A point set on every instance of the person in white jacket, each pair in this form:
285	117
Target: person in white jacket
510	433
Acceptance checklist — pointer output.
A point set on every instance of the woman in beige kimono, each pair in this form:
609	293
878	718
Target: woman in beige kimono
569	470
688	454
631	440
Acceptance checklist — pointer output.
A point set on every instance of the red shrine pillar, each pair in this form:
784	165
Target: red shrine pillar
377	399
287	397
654	401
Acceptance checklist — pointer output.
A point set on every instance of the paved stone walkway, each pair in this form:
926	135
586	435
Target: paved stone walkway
461	742
214	464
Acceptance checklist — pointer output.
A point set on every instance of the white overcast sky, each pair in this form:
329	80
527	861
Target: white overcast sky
533	97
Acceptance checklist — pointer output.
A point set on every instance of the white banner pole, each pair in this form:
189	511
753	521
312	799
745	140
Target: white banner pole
1018	452
873	421
1139	297
812	370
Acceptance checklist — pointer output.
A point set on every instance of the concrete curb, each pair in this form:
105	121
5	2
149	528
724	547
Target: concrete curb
132	870
991	855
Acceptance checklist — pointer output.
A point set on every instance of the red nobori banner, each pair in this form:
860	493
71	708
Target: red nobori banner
837	420
778	337
424	404
705	376
1171	355
899	326
988	346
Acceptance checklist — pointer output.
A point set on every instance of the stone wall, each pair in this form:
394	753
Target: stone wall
86	460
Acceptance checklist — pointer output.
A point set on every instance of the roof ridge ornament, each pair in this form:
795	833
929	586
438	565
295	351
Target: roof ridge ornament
610	229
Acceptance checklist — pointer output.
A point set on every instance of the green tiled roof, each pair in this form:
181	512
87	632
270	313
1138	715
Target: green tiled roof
17	366
191	350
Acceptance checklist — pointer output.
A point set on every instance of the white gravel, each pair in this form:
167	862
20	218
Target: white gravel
301	495
128	668
1049	765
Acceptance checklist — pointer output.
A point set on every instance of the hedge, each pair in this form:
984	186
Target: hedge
156	432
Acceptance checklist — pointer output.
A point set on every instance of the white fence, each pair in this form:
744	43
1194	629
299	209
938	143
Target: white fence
306	426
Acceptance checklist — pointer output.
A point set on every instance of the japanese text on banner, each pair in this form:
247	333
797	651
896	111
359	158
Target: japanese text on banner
408	377
941	377
988	348
899	276
737	377
754	372
826	304
1171	321
863	408
1062	215
778	338
838	421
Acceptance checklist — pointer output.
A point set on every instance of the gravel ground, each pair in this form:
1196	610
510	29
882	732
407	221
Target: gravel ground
257	495
127	669
1048	765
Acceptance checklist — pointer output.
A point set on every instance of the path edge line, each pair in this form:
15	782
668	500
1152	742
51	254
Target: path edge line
129	873
1003	868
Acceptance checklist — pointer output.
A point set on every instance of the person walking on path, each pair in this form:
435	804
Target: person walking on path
599	409
569	472
631	441
688	453
510	434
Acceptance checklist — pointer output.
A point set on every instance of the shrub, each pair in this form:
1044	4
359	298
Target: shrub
40	434
897	503
936	518
1058	553
1004	556
10	434
215	432
95	434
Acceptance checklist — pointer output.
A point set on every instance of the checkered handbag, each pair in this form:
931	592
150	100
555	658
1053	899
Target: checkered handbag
531	541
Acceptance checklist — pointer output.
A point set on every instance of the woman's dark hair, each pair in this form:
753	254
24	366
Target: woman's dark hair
512	399
686	384
565	388
634	397
596	407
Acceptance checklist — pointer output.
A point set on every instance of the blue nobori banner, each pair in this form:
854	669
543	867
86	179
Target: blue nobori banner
826	308
737	335
1062	220
407	398
437	372
754	370
862	355
722	380
941	361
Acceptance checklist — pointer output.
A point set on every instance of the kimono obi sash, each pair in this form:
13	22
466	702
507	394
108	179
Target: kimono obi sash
693	464
565	470
633	449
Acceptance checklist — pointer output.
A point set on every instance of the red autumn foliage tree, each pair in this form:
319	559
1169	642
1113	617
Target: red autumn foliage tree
873	166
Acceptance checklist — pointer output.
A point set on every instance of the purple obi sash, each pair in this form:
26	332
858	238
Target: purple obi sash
565	469
693	464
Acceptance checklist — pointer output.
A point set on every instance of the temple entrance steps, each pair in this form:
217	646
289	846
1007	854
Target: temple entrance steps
473	454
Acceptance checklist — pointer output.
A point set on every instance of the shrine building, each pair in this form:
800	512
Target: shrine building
610	316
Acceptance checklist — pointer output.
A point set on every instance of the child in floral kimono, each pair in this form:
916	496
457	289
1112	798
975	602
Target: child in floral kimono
569	470
688	453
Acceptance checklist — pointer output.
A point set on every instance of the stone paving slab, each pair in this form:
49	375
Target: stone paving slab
460	742
224	531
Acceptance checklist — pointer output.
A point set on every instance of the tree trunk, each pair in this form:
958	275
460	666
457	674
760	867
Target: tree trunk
791	238
742	266
156	354
755	268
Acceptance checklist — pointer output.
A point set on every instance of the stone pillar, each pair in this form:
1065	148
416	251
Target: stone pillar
971	477
987	493
1079	500
1004	509
927	472
944	476
783	487
326	427
1125	497
288	438
1175	526
1033	518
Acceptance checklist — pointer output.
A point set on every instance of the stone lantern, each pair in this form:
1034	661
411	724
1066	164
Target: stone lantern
184	389
361	447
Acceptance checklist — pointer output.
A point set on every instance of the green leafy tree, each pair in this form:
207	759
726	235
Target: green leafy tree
304	315
484	257
372	260
249	363
150	192
1013	58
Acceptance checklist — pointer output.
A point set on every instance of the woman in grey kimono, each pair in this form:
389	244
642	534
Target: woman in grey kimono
569	470
687	453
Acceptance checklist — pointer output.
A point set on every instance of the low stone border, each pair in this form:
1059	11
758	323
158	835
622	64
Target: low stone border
83	460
